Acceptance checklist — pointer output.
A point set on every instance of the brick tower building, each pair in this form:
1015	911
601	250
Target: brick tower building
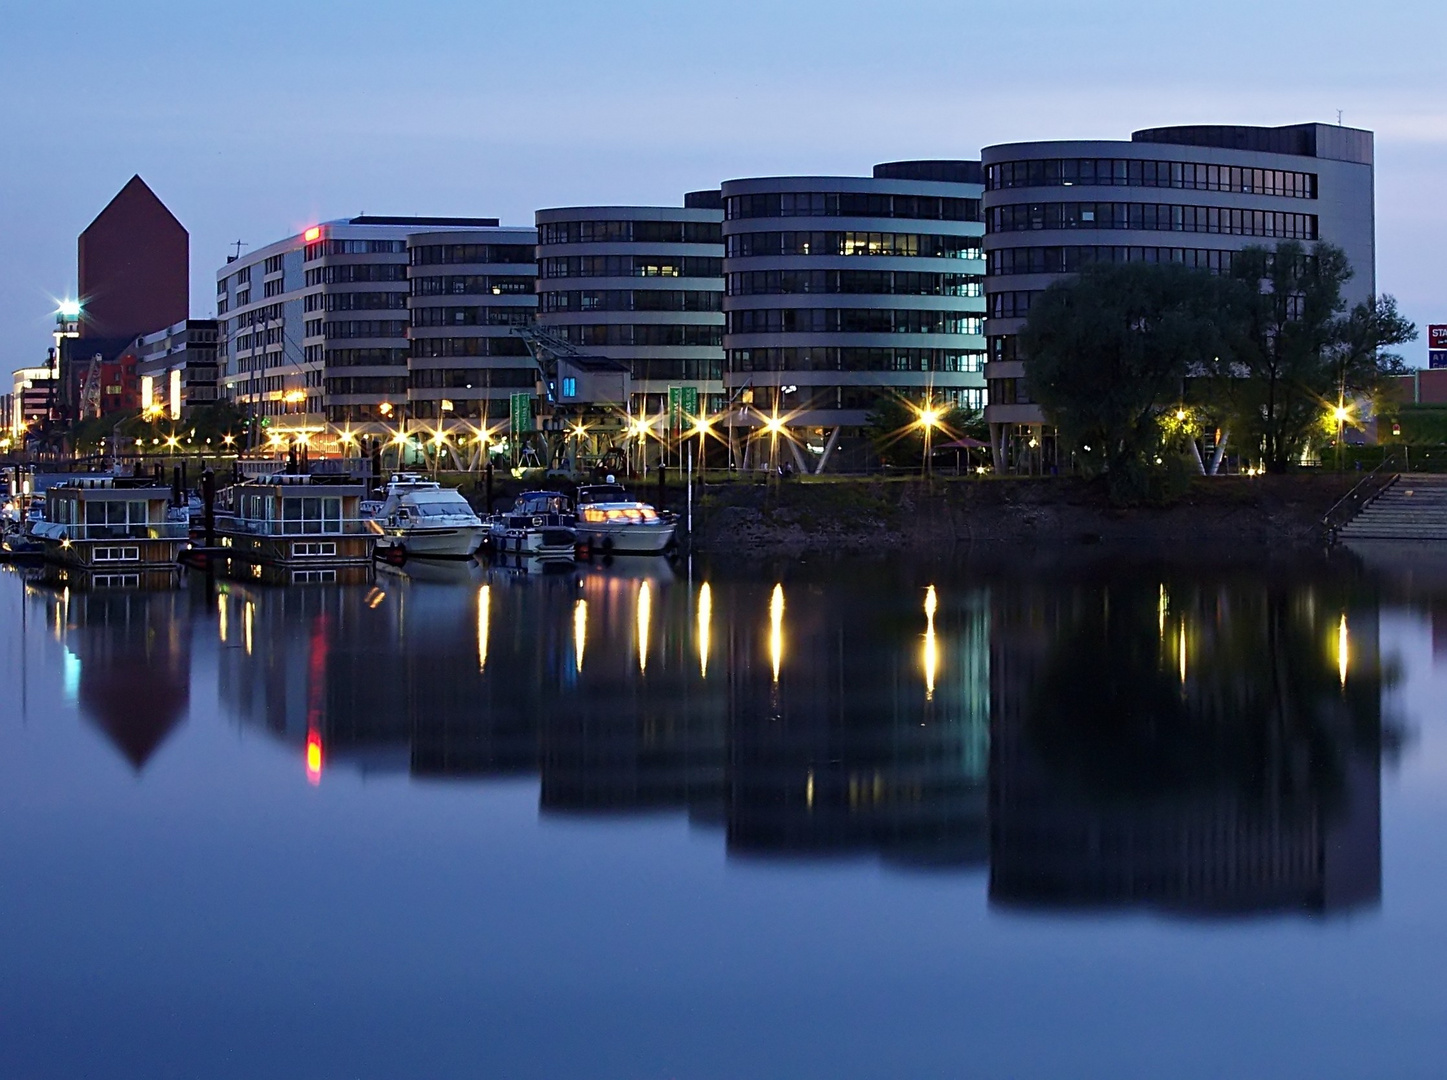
133	267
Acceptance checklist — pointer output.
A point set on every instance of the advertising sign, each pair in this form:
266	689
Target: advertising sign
1437	336
682	406
1437	358
520	413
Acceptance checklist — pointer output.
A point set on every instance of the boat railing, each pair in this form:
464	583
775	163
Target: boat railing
150	531
294	527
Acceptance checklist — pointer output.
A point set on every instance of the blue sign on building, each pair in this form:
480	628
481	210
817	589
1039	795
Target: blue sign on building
1437	358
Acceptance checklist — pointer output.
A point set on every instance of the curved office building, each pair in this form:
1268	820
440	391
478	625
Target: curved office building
467	292
1190	195
843	290
642	285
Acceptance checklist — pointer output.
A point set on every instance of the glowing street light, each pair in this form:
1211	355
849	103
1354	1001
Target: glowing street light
929	419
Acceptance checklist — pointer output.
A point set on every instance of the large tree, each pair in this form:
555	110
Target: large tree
1111	348
1295	351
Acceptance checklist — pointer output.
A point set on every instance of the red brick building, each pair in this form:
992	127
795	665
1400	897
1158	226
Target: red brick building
133	267
1424	386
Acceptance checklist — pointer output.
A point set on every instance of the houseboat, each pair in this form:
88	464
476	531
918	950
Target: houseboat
109	524
297	523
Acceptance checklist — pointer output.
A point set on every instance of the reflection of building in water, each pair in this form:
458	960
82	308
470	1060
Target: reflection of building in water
872	737
317	667
1208	748
127	662
640	724
626	689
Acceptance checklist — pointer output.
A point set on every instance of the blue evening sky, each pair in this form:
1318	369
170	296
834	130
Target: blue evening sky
252	119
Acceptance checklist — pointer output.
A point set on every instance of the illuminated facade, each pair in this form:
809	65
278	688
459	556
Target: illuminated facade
468	291
177	368
842	291
1186	195
642	285
30	397
314	328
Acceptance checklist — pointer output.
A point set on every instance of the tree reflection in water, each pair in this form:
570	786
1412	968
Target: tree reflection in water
1198	741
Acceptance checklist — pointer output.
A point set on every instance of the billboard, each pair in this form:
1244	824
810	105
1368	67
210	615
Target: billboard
1437	358
1437	336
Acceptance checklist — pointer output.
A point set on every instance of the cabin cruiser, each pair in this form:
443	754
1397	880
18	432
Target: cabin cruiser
420	517
611	521
539	524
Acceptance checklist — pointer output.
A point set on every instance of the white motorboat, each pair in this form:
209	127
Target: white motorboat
613	522
540	524
420	517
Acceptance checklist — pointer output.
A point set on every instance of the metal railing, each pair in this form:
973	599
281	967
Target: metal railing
59	530
1361	495
304	527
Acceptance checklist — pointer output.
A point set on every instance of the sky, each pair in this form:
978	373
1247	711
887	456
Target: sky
252	120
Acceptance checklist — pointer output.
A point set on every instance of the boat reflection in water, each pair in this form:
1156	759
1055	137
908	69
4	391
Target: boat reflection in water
1201	743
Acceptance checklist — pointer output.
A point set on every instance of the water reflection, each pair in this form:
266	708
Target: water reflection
127	662
1193	746
1202	742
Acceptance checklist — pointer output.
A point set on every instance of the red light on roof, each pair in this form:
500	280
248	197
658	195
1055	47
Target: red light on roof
314	757
314	233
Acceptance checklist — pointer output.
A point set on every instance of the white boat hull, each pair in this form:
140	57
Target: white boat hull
551	542
456	542
626	538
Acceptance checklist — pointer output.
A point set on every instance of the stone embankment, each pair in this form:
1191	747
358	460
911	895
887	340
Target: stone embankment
883	515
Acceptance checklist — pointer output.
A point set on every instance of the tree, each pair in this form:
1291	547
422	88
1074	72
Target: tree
1109	350
1294	352
898	436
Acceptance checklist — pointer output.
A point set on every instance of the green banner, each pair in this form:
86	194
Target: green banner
682	406
520	414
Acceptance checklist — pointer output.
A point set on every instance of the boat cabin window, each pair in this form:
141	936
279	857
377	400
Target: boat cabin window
108	517
612	493
311	514
255	507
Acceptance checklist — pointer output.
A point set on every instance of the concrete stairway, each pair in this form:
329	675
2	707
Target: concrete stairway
1412	508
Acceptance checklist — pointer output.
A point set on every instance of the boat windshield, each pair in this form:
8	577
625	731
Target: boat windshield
542	504
610	493
440	507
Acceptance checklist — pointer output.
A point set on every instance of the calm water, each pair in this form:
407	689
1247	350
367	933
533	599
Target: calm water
1061	816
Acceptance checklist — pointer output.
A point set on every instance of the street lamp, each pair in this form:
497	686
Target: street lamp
929	419
774	425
